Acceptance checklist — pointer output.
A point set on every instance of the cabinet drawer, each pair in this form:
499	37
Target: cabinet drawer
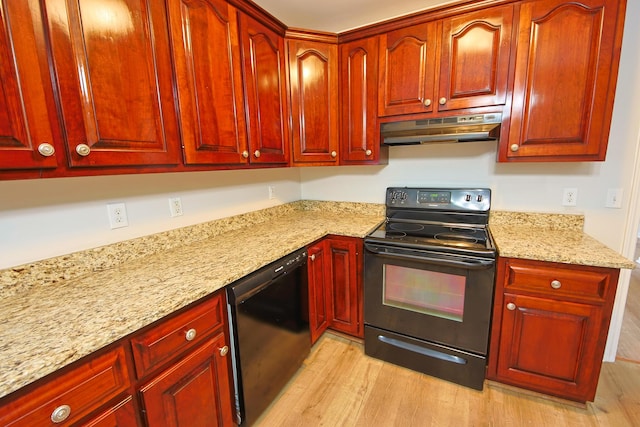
173	336
583	283
74	394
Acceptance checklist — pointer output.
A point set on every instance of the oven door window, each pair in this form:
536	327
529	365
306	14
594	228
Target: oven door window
424	291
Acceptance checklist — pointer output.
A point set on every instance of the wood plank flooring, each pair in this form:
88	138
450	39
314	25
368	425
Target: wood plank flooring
340	386
629	342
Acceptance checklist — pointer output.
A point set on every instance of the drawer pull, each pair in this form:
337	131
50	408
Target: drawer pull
511	306
256	154
190	335
224	350
443	101
312	257
556	284
83	150
427	103
46	149
61	413
245	154
368	152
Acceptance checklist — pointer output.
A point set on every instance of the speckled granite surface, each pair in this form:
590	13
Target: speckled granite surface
54	314
551	237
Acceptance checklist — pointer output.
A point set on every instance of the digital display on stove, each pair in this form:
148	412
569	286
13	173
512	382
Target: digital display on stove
431	197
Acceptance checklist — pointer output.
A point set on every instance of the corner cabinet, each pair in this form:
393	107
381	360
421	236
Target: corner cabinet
565	80
206	57
313	85
335	286
28	133
114	82
359	132
452	64
550	325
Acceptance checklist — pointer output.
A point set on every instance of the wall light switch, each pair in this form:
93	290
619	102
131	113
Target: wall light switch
614	198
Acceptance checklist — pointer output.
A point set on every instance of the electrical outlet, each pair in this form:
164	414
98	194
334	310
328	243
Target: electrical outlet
570	197
117	215
175	206
272	192
614	198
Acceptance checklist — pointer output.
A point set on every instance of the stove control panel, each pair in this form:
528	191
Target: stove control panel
458	199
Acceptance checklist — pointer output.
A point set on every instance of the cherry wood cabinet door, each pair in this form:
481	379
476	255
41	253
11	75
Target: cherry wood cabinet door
345	280
264	63
313	80
196	391
319	300
408	60
550	346
359	138
566	71
28	139
474	59
113	71
206	55
122	414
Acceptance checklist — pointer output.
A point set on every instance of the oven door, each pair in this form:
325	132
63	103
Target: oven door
428	295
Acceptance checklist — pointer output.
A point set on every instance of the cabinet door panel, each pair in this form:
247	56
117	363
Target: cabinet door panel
314	101
564	83
346	294
549	345
194	392
319	301
407	70
475	57
26	94
114	80
206	50
266	92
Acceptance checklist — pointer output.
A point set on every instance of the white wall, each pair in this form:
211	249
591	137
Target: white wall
44	218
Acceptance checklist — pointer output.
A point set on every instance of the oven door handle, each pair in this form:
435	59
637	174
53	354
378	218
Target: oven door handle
430	257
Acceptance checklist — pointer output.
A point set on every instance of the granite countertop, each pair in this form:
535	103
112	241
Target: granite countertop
55	311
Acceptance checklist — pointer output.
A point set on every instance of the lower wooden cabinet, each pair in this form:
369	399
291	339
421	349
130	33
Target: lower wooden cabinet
550	326
122	414
335	286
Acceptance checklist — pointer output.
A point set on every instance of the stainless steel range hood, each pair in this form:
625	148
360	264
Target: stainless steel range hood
477	127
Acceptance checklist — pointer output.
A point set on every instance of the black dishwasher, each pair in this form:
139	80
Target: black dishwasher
269	321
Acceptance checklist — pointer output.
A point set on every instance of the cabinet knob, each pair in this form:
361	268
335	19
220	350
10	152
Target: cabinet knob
256	153
368	152
83	150
442	101
334	154
61	413
224	350
245	154
555	284
46	149
312	257
190	335
514	147
511	306
427	102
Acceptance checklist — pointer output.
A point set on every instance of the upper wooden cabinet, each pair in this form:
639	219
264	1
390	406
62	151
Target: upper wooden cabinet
206	55
313	79
453	64
565	78
113	73
264	62
359	134
27	134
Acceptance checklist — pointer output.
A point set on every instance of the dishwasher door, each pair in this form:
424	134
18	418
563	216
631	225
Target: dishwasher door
269	320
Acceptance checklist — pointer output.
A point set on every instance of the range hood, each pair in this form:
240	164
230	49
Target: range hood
477	127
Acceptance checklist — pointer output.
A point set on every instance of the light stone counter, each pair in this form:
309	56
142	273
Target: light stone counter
551	237
55	312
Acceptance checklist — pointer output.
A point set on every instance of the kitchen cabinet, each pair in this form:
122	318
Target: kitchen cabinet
565	78
313	85
456	63
192	349
335	286
550	324
206	57
264	62
359	133
75	394
112	69
29	136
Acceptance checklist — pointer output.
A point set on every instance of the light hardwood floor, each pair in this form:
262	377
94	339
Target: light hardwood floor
629	342
340	386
